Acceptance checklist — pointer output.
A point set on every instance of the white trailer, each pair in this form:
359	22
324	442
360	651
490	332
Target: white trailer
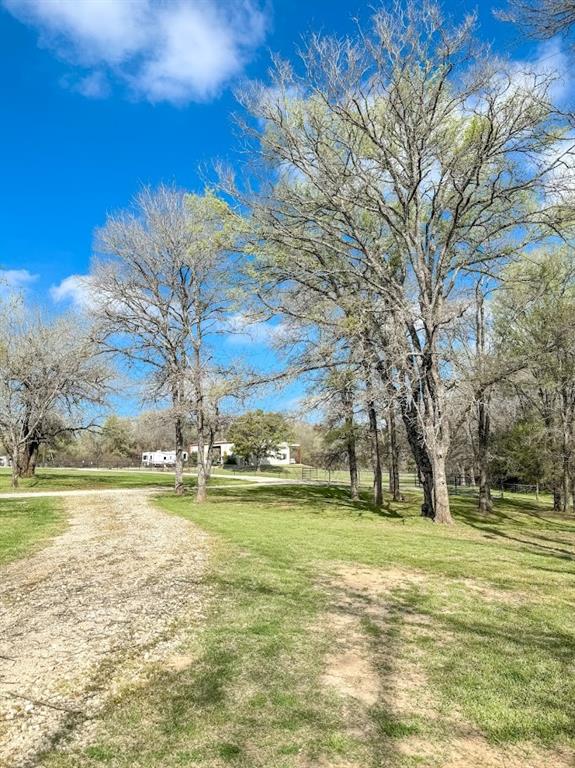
161	458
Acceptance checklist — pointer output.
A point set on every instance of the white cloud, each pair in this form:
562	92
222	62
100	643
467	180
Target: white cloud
550	62
94	85
14	279
560	180
75	289
242	331
553	60
174	51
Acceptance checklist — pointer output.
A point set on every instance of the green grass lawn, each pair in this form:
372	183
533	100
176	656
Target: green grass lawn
78	479
294	472
469	630
25	524
288	472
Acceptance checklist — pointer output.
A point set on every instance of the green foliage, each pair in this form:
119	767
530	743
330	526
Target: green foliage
258	434
535	329
535	314
213	226
117	436
520	452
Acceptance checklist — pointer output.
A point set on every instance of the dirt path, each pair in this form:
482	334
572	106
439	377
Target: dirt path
382	668
240	481
100	601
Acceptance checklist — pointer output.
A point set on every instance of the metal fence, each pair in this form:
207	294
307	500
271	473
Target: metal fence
455	486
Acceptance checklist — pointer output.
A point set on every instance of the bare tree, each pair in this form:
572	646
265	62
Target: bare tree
161	287
51	379
407	163
541	18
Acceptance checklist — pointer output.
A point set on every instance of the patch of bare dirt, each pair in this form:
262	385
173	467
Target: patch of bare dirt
389	675
85	616
474	752
349	669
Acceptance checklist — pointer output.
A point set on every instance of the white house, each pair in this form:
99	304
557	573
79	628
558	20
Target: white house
161	458
220	451
5	461
287	453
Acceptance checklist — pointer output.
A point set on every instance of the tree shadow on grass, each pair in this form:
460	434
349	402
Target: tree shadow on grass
530	662
533	534
539	512
314	498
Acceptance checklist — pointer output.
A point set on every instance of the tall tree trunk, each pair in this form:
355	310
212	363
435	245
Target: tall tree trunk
350	445
426	479
15	459
485	503
202	478
484	424
393	453
428	443
353	470
374	437
213	427
565	473
179	470
441	509
550	445
30	458
435	431
428	448
415	439
566	454
556	498
24	454
210	451
376	455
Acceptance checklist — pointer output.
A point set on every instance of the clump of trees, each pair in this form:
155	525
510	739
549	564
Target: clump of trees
407	163
535	314
257	434
53	380
514	411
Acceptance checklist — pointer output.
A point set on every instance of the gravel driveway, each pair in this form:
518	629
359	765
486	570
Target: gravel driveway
99	603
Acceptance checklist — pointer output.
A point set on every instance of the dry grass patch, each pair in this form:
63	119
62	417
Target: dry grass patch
390	675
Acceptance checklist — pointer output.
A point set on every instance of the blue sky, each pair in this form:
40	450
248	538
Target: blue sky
100	96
